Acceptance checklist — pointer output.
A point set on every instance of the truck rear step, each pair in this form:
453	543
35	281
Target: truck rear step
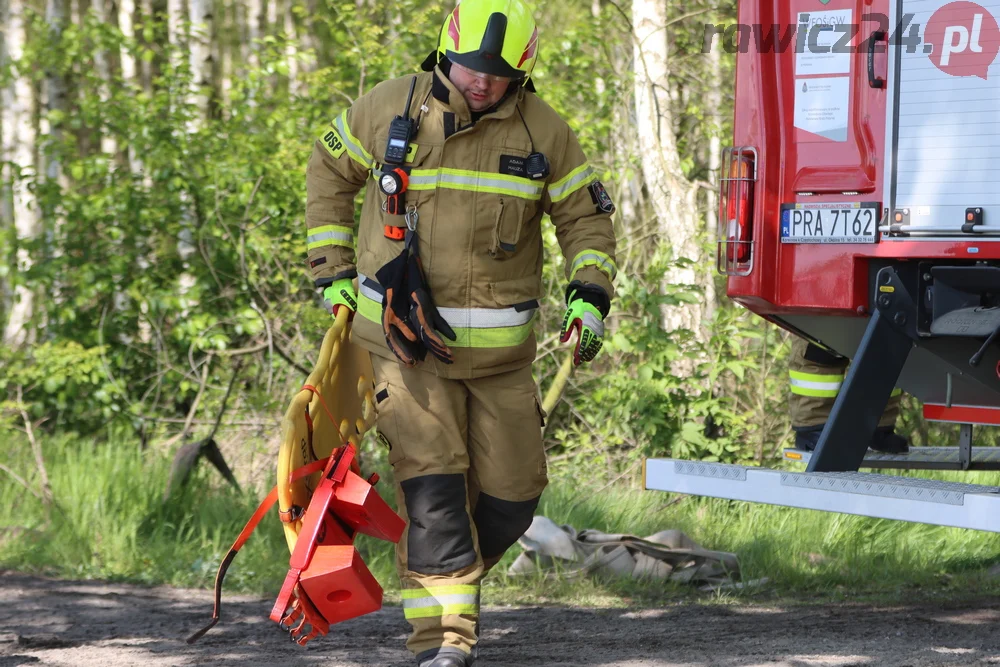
921	458
865	494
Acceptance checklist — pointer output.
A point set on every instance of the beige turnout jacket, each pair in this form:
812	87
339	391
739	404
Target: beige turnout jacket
479	215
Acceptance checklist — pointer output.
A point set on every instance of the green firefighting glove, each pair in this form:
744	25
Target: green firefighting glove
585	315
341	294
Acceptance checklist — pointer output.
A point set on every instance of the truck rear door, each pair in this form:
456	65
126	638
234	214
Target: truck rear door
838	119
943	130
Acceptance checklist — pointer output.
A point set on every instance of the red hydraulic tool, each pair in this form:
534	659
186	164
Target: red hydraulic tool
322	499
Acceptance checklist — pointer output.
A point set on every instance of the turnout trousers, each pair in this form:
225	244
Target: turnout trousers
815	377
469	467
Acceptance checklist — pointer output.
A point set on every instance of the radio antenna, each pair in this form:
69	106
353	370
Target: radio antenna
409	98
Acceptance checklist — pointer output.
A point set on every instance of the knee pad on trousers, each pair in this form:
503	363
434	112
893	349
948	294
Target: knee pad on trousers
440	537
501	522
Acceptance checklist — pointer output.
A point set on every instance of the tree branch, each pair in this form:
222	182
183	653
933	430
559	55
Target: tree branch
225	399
243	351
194	406
291	362
20	480
36	448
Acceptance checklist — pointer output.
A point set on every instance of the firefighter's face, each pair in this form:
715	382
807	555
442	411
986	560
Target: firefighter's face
481	91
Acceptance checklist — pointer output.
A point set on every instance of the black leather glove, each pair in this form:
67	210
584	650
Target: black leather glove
400	336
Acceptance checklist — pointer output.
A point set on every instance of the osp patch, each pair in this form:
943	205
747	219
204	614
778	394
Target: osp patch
333	144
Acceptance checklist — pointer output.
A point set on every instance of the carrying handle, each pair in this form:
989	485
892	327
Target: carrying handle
874	81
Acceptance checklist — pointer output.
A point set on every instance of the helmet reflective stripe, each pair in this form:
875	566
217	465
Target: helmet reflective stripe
496	37
530	49
454	29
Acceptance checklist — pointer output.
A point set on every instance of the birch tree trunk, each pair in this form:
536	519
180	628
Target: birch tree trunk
224	45
147	65
272	29
185	246
126	23
6	205
627	181
673	197
200	55
273	9
18	150
715	141
309	38
292	48
55	107
109	145
130	75
175	20
254	9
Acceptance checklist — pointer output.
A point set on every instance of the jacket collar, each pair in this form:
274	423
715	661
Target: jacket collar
445	92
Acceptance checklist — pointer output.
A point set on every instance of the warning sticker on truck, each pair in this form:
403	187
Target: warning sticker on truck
822	36
821	106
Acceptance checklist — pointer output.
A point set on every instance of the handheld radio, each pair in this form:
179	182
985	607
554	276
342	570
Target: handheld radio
395	179
400	132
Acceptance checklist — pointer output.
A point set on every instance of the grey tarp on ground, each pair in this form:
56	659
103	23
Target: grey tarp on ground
669	554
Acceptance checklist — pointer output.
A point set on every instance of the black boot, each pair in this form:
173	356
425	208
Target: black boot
884	440
447	660
887	441
807	437
452	658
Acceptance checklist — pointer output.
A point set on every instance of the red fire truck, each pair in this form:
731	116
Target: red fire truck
860	209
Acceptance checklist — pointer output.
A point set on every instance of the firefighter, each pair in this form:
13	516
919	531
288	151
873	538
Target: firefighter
459	163
815	376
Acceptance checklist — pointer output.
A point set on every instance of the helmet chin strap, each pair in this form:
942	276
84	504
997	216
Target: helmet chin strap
434	59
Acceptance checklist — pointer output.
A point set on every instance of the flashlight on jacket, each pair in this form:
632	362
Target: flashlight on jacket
393	184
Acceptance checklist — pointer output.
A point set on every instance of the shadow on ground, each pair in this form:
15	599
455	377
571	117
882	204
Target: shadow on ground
97	624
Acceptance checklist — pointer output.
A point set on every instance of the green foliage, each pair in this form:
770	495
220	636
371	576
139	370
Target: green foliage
57	373
109	521
187	248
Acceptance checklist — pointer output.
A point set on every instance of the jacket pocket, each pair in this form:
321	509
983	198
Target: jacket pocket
388	434
541	411
507	227
523	291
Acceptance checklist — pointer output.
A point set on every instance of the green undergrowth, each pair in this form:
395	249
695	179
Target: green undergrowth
108	520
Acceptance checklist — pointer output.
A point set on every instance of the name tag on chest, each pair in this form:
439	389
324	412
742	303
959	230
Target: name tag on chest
512	165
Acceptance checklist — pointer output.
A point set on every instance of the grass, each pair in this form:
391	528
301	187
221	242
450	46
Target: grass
110	522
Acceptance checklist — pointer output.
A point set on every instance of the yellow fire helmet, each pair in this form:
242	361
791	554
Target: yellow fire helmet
497	37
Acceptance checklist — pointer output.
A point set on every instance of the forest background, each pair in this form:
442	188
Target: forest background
153	288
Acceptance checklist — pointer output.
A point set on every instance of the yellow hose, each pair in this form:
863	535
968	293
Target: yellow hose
343	379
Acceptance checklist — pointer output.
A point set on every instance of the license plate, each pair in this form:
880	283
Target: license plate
850	222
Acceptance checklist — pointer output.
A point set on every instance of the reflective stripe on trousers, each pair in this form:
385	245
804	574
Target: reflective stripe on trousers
816	385
436	601
820	386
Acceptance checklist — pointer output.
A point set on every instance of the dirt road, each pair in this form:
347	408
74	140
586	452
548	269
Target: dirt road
95	624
